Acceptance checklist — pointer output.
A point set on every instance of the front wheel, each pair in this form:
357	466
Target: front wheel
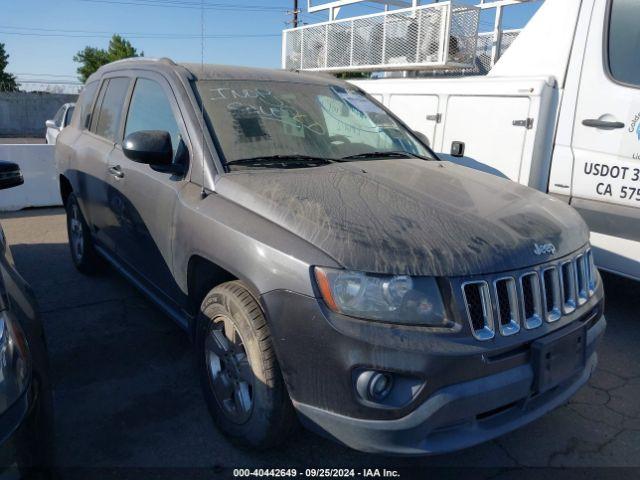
242	383
83	254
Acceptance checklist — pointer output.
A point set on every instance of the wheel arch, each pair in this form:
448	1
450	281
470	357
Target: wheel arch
65	188
204	274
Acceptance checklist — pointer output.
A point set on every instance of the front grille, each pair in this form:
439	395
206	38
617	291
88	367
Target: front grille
527	299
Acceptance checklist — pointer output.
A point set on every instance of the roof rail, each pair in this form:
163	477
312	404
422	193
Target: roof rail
166	60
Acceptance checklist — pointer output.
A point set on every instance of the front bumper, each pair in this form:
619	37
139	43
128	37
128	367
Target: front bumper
472	391
457	416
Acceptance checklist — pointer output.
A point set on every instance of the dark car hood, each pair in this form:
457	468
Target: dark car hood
411	216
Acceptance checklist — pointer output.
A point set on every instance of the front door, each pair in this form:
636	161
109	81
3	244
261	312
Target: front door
606	140
145	199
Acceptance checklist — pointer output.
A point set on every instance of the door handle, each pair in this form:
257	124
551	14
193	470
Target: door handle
116	171
595	123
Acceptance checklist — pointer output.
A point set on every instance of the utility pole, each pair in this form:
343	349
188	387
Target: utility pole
295	13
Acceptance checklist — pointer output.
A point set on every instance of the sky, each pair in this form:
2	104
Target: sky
42	36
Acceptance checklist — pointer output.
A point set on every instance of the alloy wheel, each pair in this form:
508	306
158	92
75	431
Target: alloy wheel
230	374
76	237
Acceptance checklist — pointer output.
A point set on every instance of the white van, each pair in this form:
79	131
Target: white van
560	112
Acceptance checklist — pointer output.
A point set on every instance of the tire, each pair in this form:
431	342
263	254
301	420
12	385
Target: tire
83	253
242	382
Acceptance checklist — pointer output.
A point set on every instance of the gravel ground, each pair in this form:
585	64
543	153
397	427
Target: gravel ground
127	395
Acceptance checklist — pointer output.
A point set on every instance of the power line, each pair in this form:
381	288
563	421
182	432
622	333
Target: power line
191	5
208	4
156	36
50	75
48	82
109	32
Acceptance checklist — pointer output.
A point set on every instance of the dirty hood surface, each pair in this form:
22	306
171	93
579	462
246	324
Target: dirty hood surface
411	216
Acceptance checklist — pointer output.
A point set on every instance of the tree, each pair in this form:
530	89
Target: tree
91	58
349	75
7	80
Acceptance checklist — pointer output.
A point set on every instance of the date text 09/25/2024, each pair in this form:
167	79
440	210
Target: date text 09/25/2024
316	473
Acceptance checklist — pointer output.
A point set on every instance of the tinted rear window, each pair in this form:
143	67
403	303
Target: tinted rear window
85	102
108	121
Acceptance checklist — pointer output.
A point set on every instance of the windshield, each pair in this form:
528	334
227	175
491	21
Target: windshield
255	120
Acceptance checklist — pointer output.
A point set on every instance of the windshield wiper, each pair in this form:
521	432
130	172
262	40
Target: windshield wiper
376	155
304	160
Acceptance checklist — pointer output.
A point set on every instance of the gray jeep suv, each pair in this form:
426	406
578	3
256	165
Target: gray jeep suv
328	267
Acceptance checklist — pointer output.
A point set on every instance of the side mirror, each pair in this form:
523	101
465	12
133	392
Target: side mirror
51	124
423	138
10	175
151	147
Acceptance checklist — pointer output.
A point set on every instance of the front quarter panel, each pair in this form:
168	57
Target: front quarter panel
265	256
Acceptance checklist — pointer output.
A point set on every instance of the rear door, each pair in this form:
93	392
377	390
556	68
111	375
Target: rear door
485	124
144	199
103	134
606	140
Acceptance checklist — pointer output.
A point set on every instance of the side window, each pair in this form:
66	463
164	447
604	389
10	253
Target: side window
84	104
108	116
624	41
150	110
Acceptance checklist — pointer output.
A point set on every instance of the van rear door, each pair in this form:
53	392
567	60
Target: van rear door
606	137
420	112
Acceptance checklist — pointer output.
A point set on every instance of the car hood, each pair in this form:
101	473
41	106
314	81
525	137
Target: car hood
411	216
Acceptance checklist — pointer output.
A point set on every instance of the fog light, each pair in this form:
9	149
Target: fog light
374	386
380	386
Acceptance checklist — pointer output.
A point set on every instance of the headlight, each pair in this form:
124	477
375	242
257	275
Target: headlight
15	366
388	298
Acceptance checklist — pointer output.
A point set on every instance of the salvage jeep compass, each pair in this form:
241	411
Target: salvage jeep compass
328	267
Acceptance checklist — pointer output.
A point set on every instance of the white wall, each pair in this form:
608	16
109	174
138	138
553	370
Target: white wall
40	188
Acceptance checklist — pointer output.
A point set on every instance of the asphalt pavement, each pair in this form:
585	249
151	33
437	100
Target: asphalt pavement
127	394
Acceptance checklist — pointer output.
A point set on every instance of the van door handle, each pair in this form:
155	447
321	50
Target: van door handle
116	171
595	123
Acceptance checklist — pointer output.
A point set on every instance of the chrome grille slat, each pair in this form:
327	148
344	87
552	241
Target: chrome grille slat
551	292
518	300
531	300
582	276
507	306
593	278
568	286
480	316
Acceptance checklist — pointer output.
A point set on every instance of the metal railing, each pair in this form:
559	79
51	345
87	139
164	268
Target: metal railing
441	35
484	58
